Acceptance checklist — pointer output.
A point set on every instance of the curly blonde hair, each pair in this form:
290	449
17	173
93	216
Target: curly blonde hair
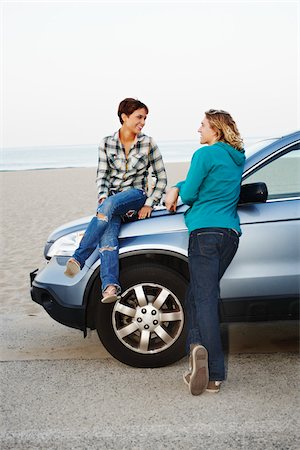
225	127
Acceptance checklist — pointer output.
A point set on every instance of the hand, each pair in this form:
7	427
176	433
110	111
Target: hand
145	212
171	199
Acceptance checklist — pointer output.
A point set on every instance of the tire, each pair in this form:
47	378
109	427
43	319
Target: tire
146	327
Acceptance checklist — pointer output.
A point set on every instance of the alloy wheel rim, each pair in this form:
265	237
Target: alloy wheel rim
148	318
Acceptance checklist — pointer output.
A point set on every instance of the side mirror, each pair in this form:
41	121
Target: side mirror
253	193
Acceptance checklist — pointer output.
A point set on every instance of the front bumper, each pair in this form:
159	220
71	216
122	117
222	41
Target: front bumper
70	315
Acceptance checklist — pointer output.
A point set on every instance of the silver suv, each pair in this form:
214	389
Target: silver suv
146	327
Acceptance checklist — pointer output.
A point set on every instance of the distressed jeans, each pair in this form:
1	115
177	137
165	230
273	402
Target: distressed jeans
103	230
211	250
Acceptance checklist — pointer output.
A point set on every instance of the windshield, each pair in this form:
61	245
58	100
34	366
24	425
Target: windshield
256	146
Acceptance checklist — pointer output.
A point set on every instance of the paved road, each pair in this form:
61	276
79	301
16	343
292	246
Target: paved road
61	392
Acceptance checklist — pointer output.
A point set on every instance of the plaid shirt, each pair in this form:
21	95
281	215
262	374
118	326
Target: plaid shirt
115	173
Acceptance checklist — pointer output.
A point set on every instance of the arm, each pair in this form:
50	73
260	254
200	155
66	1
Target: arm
199	168
171	198
102	178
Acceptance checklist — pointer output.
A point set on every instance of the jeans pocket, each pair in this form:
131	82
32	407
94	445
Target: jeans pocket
208	242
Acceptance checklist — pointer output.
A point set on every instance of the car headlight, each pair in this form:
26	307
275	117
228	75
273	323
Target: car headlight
64	246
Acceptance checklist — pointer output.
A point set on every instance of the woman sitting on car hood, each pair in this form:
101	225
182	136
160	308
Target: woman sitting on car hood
122	180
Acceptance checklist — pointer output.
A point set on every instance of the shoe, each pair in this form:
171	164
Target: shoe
187	375
213	386
72	268
198	379
110	295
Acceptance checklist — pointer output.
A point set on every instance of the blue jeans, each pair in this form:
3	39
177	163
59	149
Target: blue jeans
211	250
103	230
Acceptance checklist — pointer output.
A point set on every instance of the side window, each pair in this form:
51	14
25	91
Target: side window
281	175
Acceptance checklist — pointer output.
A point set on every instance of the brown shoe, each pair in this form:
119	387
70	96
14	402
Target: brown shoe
198	378
72	268
213	386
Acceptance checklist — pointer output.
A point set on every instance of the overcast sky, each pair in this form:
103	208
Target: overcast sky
67	65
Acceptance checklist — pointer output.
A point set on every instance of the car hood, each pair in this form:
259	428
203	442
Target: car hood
127	229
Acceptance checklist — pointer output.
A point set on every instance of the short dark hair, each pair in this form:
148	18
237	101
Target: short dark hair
128	106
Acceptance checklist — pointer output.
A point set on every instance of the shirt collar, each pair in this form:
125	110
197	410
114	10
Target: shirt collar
140	136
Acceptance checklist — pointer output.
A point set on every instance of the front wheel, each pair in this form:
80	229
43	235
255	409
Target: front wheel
146	327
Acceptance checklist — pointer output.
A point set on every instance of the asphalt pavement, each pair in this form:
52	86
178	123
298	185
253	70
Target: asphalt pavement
60	391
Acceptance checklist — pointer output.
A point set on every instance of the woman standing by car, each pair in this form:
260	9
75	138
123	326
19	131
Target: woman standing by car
211	189
122	181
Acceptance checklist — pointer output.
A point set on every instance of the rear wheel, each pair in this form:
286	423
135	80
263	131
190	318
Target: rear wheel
146	327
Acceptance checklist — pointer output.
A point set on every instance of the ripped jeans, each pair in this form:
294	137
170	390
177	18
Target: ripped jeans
103	230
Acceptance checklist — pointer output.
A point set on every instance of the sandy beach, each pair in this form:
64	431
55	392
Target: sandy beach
33	203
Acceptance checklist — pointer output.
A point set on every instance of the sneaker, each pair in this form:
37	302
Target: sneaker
187	375
198	378
72	268
110	295
213	386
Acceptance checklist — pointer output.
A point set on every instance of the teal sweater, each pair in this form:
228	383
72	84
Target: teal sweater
212	187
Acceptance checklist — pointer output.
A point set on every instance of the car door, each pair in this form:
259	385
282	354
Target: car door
267	262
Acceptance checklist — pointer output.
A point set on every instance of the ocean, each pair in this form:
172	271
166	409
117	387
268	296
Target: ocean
64	156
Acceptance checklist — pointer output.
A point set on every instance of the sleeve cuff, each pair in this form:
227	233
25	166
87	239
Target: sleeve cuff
149	202
179	185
